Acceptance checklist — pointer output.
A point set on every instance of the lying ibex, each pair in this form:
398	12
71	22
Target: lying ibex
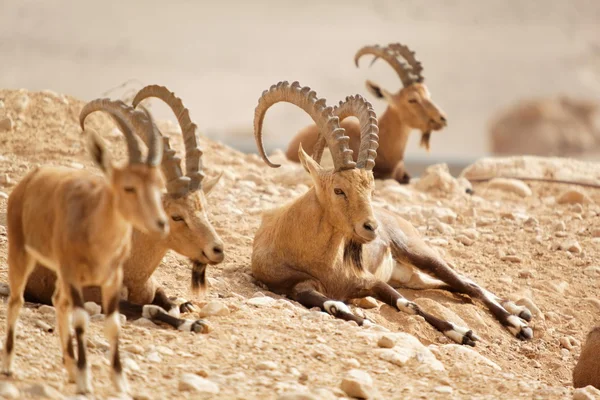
191	233
587	370
331	245
408	109
79	225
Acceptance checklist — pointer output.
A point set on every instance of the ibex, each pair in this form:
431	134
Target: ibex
191	233
79	225
587	370
331	245
410	108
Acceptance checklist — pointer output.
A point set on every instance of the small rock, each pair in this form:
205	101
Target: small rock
512	258
266	365
92	308
560	226
21	103
165	350
568	342
571	245
386	342
467	241
8	390
586	393
358	383
145	323
43	390
365	302
438	242
463	355
322	352
214	308
3	195
471	233
153	356
443	389
596	233
6	124
44	309
197	384
44	326
131	365
526	273
574	196
444	214
298	396
592	271
515	186
134	349
264	301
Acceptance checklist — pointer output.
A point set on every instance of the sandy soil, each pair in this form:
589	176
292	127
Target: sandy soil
281	347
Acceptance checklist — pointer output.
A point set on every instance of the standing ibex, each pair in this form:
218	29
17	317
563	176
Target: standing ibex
330	244
79	225
191	233
587	370
410	108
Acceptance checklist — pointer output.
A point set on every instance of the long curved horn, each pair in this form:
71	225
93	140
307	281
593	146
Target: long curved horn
306	99
390	56
193	154
410	57
358	107
130	121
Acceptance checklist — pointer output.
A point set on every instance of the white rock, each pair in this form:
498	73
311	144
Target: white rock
586	393
571	245
574	196
43	390
153	356
443	389
560	226
197	384
568	342
266	365
165	350
131	365
3	195
511	185
408	349
444	214
298	396
134	348
8	390
359	384
365	302
264	301
92	308
466	356
45	309
214	308
592	271
386	342
467	241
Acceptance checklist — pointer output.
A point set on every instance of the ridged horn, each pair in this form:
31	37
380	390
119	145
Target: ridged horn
389	55
193	154
322	115
129	121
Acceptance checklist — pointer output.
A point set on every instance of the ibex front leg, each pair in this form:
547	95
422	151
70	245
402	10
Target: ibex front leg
80	323
384	292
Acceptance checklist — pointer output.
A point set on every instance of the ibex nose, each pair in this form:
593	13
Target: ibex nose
163	226
215	253
370	226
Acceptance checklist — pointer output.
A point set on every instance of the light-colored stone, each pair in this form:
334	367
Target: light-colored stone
263	301
298	396
153	356
409	349
197	384
568	342
3	195
92	308
574	196
386	342
592	271
145	323
571	245
586	393
512	258
44	391
131	365
359	384
8	390
463	356
134	348
44	309
515	186
266	365
560	226
467	241
365	302
6	124
214	308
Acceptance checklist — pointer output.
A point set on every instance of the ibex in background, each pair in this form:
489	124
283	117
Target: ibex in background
410	108
587	370
191	233
331	245
79	225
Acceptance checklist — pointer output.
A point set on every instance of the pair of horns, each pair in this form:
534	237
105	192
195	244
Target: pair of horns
177	183
129	121
408	74
328	122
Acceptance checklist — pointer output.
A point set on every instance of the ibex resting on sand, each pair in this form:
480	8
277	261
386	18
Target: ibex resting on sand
410	108
79	225
191	233
331	245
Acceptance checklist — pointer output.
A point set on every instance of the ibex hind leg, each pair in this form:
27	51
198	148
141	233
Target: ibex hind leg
63	305
384	292
425	259
112	328
80	323
20	266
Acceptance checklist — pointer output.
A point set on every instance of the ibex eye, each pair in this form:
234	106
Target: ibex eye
129	189
339	192
176	218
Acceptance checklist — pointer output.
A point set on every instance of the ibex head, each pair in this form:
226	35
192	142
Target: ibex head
137	185
344	193
192	234
412	103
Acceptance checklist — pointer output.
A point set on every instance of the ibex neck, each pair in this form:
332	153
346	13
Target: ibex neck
146	255
393	136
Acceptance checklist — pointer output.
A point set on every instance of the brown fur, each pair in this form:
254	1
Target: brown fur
408	109
587	370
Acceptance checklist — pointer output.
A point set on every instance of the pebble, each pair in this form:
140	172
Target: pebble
165	350
214	308
386	342
586	393
409	348
443	389
6	124
264	301
365	302
574	196
442	227
358	383
266	365
592	271
145	323
438	242
515	186
560	226
512	258
92	308
8	390
131	365
322	352
134	349
21	103
568	342
471	233
467	241
463	356
298	396
43	390
194	383
3	195
596	233
571	245
44	326
45	309
154	357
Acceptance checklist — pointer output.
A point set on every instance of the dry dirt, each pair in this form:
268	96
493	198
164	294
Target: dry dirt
309	350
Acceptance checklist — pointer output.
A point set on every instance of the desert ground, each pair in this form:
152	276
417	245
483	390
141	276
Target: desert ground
537	245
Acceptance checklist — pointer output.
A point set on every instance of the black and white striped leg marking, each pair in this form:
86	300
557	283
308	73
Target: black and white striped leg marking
82	378
156	313
520	311
340	310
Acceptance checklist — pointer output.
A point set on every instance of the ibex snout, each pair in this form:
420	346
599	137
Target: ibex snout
367	230
214	252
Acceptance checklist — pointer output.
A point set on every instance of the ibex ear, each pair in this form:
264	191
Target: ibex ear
209	184
97	149
310	165
378	92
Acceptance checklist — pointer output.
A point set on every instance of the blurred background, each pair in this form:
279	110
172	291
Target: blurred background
483	63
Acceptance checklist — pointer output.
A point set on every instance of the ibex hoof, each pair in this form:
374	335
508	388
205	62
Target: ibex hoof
187	307
201	326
